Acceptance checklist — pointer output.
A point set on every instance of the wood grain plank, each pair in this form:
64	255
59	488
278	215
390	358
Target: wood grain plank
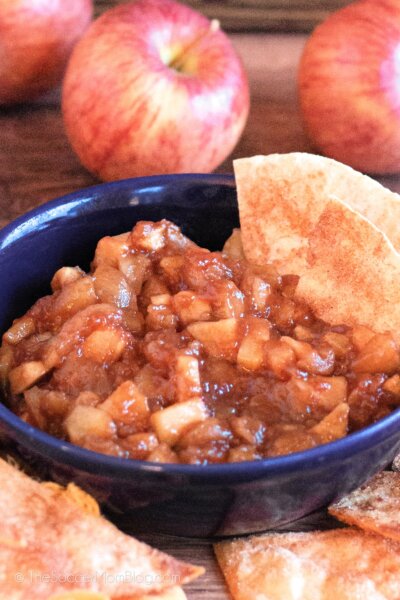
260	15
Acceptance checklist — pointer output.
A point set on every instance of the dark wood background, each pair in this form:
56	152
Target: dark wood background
260	15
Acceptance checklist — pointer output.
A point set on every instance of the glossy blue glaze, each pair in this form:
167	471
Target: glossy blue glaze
176	499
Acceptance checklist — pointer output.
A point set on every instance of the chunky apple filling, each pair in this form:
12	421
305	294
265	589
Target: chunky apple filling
168	352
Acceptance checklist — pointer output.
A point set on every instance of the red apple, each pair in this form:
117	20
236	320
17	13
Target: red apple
154	87
36	39
349	86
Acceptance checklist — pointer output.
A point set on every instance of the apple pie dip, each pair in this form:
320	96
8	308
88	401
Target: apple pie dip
168	352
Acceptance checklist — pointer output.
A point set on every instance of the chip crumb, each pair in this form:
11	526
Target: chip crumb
72	492
396	463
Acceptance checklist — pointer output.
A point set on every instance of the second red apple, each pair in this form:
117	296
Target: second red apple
154	87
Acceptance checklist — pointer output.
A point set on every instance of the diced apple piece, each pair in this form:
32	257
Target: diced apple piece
249	430
111	286
128	407
233	246
219	338
110	249
187	378
392	385
250	355
205	433
379	355
139	445
163	454
78	327
243	453
328	392
191	307
268	273
87	398
25	375
299	397
227	300
88	421
251	350
279	357
152	385
160	314
283	314
176	240
321	393
260	293
104	345
133	320
340	344
152	287
135	268
257	291
6	361
293	439
54	402
34	398
309	359
64	276
161	300
171	422
19	330
171	267
334	426
148	236
202	267
360	336
304	334
74	297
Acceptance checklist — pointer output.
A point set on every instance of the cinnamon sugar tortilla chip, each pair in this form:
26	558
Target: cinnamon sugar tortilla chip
340	564
283	184
50	545
349	269
375	506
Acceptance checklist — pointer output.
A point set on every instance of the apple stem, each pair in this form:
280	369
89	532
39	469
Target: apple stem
178	62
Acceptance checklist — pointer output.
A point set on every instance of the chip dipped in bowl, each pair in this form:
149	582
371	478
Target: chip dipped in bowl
191	390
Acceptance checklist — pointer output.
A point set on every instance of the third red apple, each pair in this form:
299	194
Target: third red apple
349	86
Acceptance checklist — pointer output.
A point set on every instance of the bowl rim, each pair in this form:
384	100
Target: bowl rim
94	192
94	462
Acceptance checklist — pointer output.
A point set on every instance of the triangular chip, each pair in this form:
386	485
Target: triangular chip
290	215
340	564
375	506
49	545
281	184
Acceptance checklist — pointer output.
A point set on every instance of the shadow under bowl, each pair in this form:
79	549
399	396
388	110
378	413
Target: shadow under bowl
186	500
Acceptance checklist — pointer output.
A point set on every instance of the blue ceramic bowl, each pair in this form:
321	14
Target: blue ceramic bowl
176	499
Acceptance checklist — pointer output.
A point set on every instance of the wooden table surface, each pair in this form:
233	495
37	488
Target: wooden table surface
37	164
